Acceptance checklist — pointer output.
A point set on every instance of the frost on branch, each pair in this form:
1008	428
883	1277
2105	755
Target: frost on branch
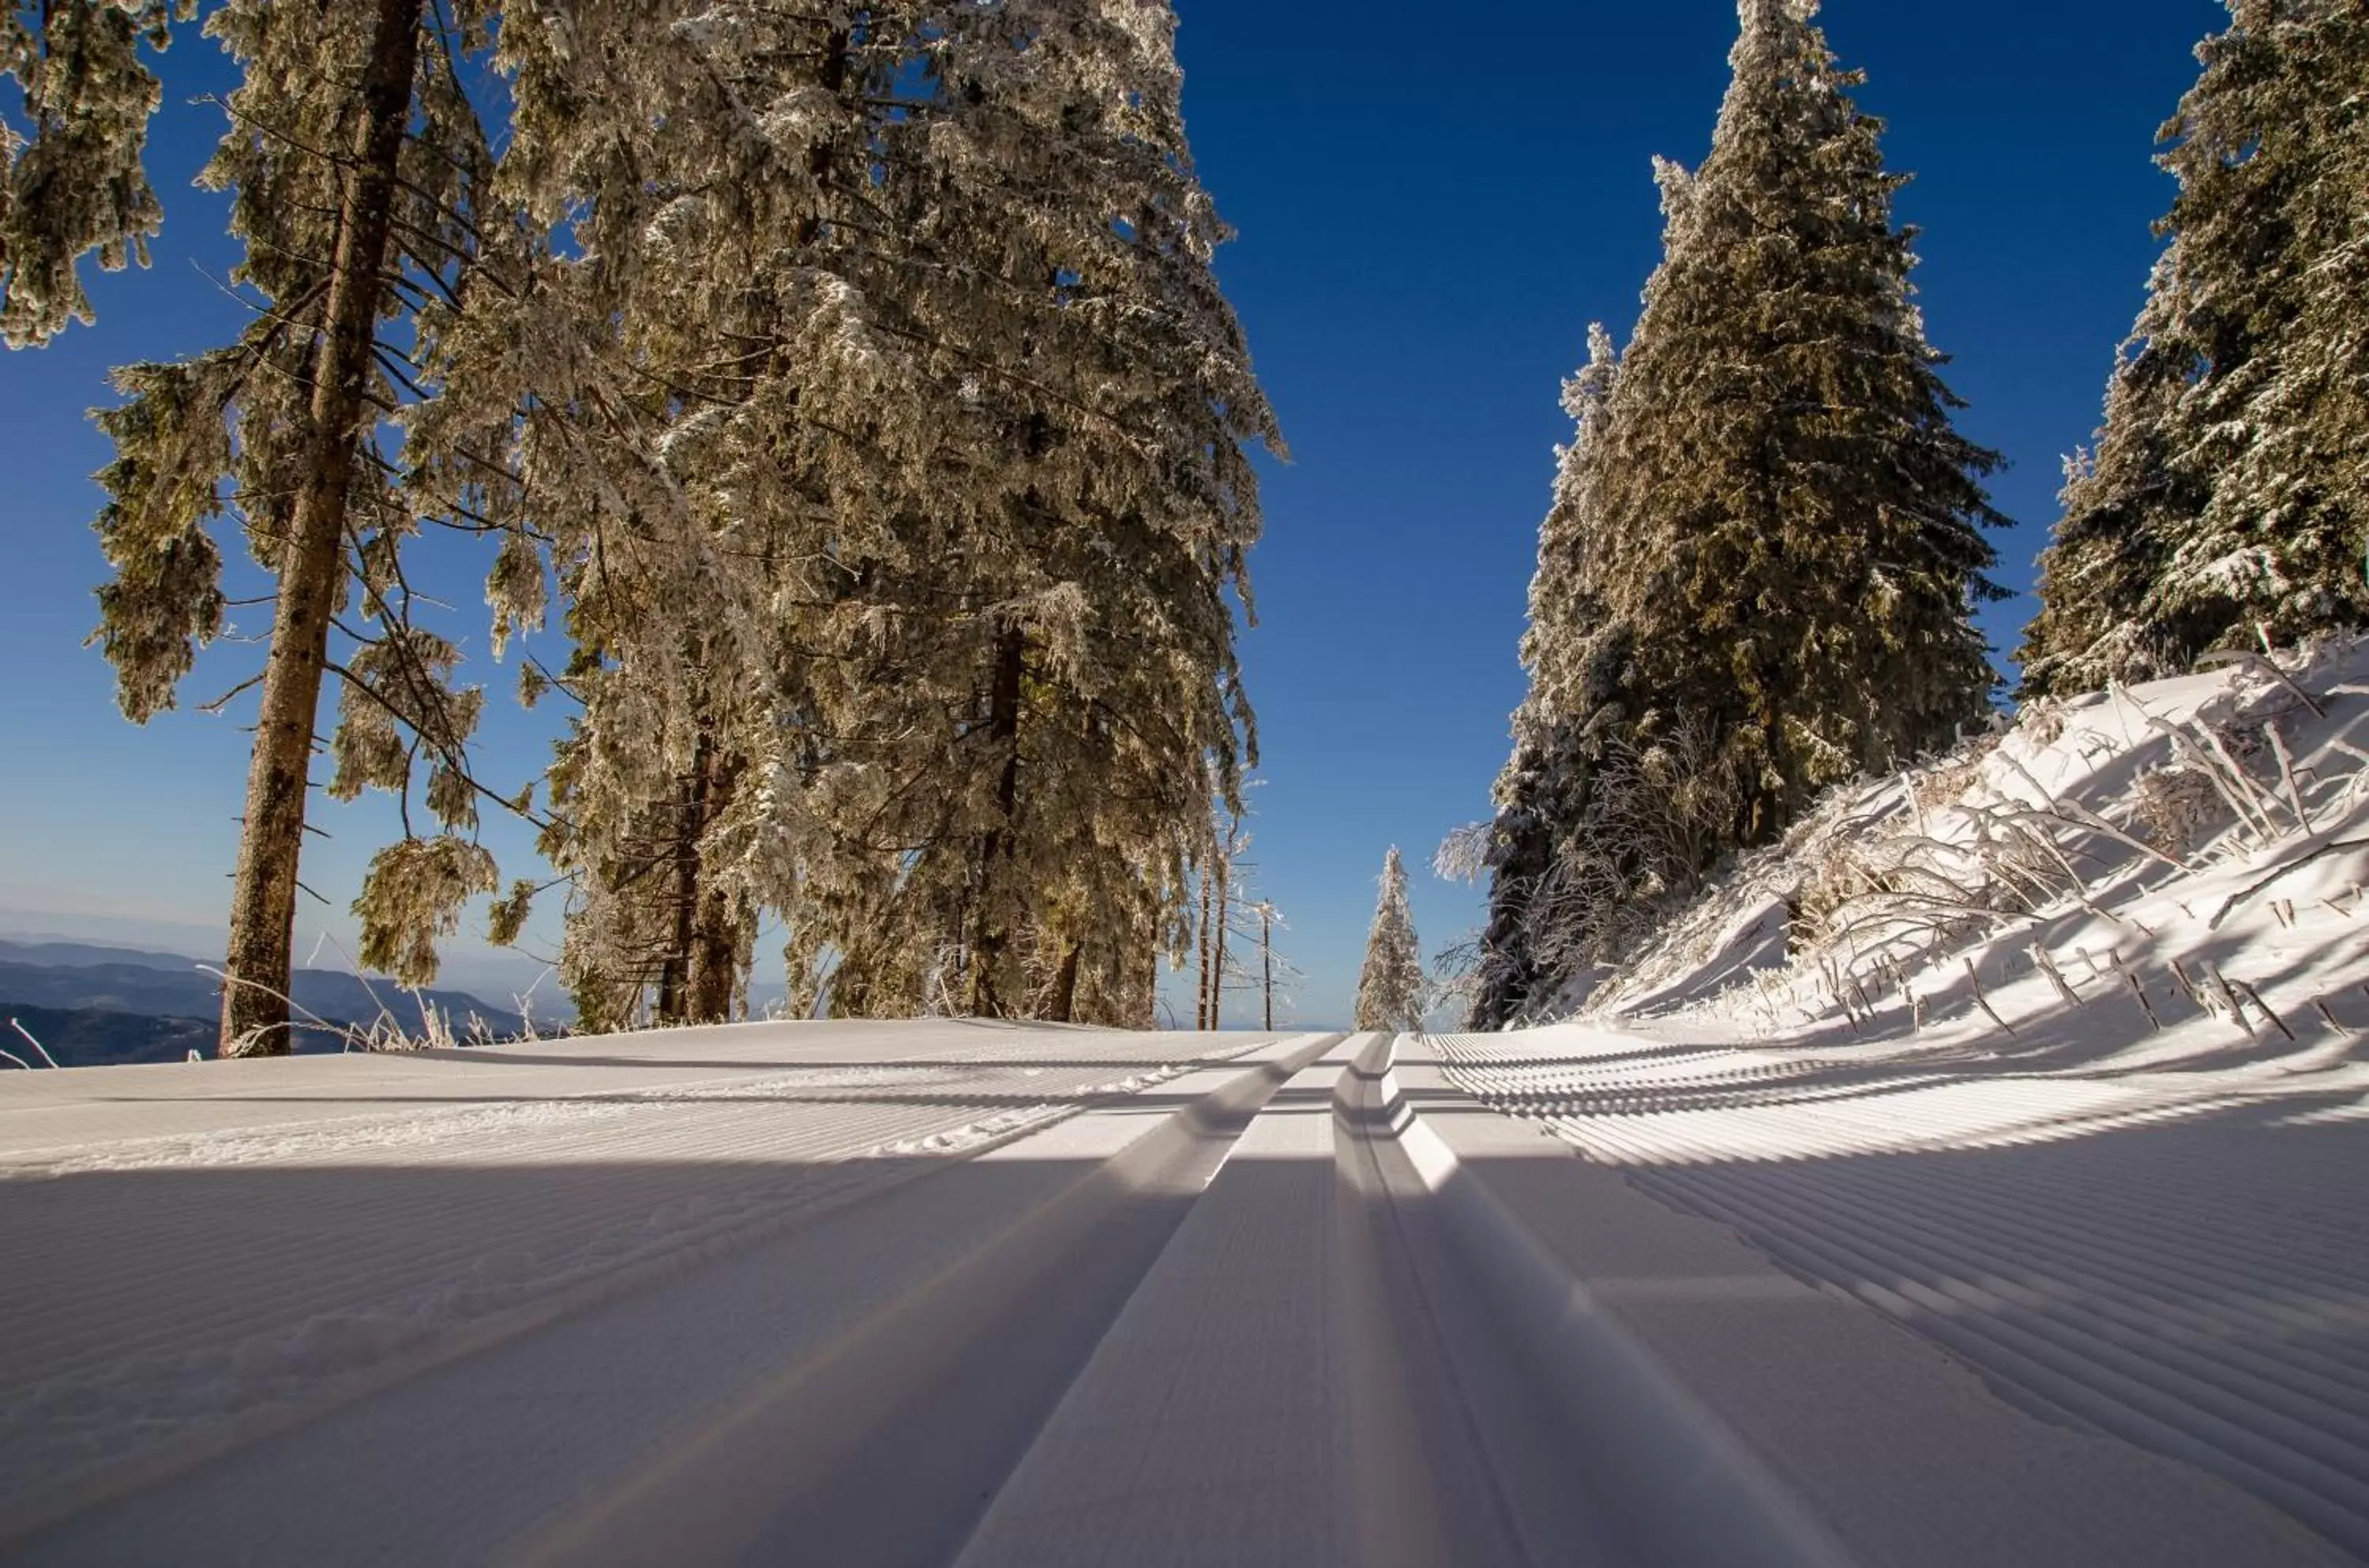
72	180
413	894
172	446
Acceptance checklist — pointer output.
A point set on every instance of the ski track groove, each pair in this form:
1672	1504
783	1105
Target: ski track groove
2216	1433
2111	1248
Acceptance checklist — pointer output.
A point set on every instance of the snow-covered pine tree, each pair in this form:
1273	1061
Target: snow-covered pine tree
1755	576
357	164
2124	505
1542	789
1505	968
1057	604
721	444
2229	497
923	507
1134	516
1390	984
1794	526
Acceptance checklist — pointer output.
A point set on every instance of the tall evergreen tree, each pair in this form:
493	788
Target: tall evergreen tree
1505	966
1798	524
2122	502
2227	496
1390	984
937	457
1059	607
368	109
1542	789
356	161
1755	580
683	356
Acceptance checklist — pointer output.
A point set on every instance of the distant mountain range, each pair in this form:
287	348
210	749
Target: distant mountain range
82	954
119	1004
97	1036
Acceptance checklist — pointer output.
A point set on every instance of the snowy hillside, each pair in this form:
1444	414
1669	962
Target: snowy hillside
2159	869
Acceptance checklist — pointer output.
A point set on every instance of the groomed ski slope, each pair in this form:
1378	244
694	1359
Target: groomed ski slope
2175	1255
961	1294
2055	1052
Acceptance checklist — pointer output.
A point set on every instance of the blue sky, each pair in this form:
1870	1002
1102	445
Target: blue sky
1432	210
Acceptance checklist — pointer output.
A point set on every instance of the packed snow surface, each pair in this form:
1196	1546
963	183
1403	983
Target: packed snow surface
218	1239
2162	1243
952	1293
2054	1051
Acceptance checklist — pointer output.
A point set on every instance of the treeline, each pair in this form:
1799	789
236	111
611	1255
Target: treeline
849	385
1756	575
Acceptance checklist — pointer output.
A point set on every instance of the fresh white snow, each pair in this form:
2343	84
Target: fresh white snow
929	1293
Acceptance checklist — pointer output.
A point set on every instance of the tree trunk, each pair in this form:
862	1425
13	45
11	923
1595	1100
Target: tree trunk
993	941
263	893
715	960
716	935
1148	1018
1064	1008
1266	963
689	818
1217	960
701	972
1201	997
